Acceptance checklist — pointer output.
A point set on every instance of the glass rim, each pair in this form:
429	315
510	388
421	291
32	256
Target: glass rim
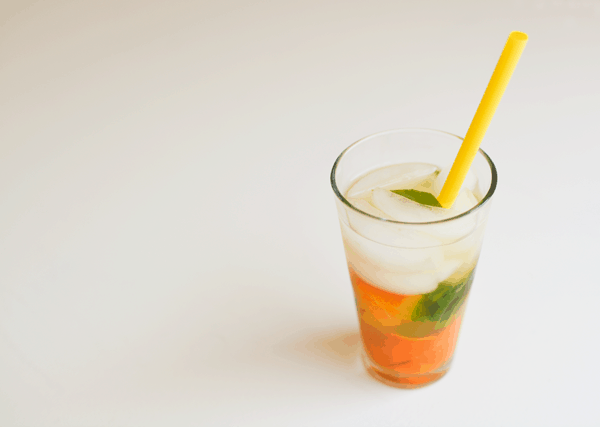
475	208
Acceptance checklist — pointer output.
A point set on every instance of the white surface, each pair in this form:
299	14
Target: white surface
169	246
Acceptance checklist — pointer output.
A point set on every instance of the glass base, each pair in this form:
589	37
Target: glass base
395	379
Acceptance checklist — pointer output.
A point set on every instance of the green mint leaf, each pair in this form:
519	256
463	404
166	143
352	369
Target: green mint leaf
443	302
436	309
421	197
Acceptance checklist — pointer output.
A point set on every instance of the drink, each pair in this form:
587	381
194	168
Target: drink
411	264
409	319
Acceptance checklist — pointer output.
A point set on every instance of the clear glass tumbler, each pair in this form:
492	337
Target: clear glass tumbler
409	340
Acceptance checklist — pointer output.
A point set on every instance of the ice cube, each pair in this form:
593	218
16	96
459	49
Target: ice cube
470	182
458	272
454	230
390	257
405	210
400	270
372	229
464	201
458	228
390	234
466	249
385	267
365	206
402	209
394	177
409	284
447	269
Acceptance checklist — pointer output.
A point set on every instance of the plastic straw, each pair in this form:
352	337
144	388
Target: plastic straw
483	116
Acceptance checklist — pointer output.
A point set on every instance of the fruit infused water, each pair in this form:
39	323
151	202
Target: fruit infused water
411	261
410	285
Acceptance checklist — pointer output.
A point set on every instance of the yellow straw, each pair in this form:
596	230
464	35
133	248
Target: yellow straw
483	116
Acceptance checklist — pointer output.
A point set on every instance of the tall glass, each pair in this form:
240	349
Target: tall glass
409	340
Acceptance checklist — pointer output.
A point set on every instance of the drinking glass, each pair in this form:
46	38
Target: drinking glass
408	339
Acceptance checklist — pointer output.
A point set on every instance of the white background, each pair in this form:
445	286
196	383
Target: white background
169	247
